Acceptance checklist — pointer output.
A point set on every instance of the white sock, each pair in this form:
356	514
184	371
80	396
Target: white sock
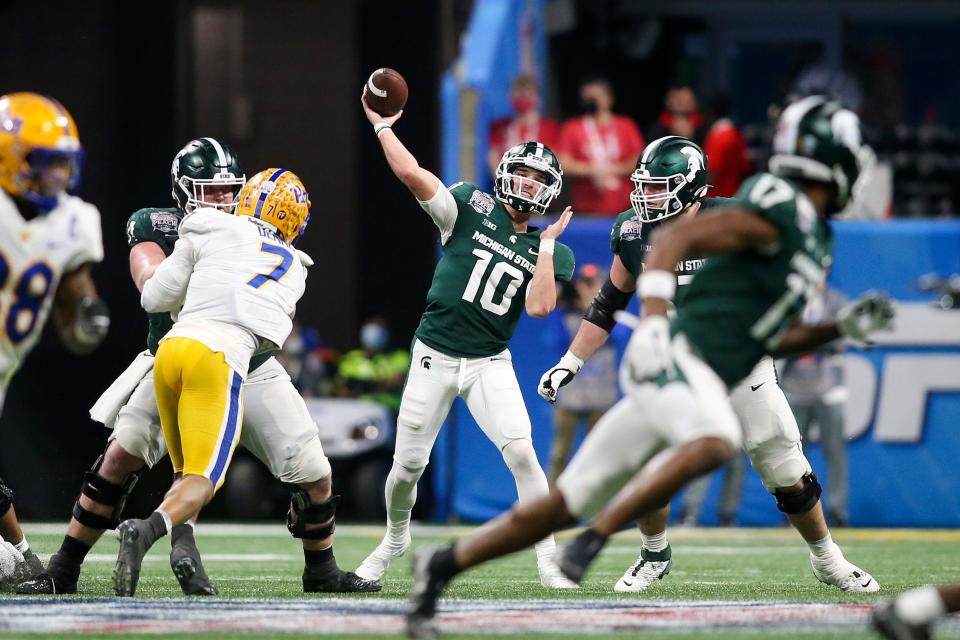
655	542
920	606
166	520
826	550
23	546
401	494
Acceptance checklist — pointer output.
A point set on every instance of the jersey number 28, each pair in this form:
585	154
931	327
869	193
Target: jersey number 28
29	293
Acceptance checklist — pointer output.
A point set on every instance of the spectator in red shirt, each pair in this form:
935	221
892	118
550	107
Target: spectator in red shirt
598	151
726	151
527	124
680	116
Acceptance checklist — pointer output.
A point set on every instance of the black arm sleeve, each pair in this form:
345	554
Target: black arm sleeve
608	301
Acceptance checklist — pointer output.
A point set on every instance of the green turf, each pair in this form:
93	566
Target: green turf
736	564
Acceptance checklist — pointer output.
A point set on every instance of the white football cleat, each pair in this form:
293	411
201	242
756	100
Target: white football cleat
649	567
552	578
377	562
846	577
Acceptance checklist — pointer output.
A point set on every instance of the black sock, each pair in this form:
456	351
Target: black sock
182	533
591	543
73	550
156	528
314	558
443	563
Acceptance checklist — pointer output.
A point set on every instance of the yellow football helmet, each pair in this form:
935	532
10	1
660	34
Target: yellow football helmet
36	135
277	197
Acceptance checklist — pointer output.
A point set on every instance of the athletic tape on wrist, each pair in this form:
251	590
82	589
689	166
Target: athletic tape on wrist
380	127
657	284
547	245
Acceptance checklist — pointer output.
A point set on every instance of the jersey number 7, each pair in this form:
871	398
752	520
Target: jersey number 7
286	259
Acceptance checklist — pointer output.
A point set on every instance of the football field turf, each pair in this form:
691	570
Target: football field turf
725	583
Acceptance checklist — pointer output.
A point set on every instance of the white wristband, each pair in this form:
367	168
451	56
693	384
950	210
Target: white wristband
571	362
657	284
547	245
380	127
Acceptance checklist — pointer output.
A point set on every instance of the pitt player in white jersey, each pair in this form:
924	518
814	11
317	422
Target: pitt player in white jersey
233	283
48	239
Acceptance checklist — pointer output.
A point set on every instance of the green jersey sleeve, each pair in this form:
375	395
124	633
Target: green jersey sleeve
779	203
616	233
564	263
154	225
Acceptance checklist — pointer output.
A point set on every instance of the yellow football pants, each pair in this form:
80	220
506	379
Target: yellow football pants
201	407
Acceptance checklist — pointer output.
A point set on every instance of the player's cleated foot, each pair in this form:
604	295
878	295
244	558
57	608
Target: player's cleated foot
552	578
31	565
375	564
432	571
886	621
133	547
60	577
329	578
44	584
191	576
845	576
649	567
574	557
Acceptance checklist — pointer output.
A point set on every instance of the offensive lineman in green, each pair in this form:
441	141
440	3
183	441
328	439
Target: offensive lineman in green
671	180
768	252
493	266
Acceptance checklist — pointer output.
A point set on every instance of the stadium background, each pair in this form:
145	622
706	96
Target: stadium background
280	81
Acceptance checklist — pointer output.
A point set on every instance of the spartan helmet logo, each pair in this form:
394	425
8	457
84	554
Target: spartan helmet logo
425	362
694	162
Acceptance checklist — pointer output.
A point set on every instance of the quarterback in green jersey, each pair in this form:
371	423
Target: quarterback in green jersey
767	253
205	173
671	180
494	265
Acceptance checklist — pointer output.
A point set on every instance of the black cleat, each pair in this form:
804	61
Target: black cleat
329	578
32	565
190	574
575	557
429	581
133	547
890	625
60	577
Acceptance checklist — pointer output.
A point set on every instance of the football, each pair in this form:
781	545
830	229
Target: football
385	92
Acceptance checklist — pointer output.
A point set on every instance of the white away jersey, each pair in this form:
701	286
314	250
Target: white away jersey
34	256
228	272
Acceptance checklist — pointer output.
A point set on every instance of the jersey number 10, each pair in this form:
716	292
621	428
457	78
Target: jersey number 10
500	270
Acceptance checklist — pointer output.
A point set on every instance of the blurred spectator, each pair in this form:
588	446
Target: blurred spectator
373	372
599	150
731	494
815	388
680	117
726	152
526	124
310	363
594	390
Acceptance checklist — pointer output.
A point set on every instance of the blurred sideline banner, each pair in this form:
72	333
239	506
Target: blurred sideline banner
903	417
503	39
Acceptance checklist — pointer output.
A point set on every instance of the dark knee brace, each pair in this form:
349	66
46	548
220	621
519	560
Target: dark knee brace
104	492
308	513
6	498
804	500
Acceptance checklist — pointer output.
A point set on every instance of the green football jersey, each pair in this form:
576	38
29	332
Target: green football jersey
740	304
161	226
480	283
630	239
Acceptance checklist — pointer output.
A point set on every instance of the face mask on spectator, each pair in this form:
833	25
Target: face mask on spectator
524	104
374	337
588	106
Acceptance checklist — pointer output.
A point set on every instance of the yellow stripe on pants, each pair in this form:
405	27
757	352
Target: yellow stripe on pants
199	397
